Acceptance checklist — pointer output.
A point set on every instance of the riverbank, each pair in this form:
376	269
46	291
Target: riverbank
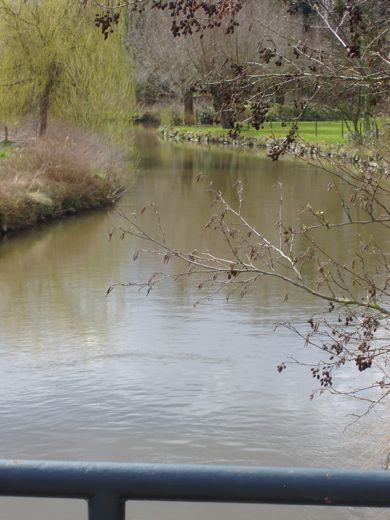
65	173
218	136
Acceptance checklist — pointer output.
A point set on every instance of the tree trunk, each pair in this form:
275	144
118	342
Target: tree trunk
189	108
44	109
6	134
44	102
227	120
357	115
225	113
280	97
356	127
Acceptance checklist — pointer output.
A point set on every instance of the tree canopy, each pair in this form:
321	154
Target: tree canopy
343	47
54	63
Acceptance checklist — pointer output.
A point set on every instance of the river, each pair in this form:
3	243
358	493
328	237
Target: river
154	379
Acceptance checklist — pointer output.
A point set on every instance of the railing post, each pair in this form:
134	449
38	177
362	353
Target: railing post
105	506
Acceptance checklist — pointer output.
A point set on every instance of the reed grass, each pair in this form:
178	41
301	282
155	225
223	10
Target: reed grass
66	172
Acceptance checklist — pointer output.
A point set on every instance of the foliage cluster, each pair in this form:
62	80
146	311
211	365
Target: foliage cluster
206	116
53	62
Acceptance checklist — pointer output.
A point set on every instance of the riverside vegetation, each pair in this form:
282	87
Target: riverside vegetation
55	67
65	172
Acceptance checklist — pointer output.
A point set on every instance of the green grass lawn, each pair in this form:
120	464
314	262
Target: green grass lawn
327	131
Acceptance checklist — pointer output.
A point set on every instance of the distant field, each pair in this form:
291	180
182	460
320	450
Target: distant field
331	132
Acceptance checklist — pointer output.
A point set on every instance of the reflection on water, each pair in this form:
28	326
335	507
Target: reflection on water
130	378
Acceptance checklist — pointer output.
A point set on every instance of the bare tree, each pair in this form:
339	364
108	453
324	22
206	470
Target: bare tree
208	60
156	53
347	48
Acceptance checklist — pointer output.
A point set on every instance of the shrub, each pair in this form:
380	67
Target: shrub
66	171
170	116
206	116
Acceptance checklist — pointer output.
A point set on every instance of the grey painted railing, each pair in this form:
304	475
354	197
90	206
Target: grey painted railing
107	486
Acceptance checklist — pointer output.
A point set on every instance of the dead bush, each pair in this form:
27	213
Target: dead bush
67	171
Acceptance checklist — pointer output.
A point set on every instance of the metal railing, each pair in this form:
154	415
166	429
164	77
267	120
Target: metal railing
108	486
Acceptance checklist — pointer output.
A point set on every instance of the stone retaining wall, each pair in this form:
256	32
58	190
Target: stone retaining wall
299	149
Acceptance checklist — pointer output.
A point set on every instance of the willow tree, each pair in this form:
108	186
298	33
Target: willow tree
53	63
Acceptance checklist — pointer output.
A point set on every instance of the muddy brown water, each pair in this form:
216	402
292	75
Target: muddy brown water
153	379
